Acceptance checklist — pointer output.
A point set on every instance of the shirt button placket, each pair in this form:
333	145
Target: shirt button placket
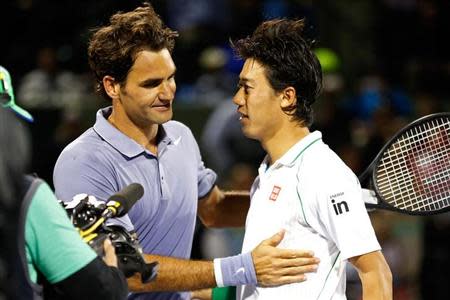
164	187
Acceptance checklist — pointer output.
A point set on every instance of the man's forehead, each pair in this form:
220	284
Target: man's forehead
251	69
147	52
157	63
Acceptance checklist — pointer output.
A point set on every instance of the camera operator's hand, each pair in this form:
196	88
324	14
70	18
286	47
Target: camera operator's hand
110	257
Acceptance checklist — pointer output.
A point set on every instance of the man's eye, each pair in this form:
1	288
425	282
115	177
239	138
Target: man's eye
152	83
246	87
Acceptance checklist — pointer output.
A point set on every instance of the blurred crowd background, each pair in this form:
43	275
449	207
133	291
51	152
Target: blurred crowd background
385	63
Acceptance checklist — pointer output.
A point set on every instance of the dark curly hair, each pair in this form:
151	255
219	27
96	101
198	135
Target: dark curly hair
112	49
288	59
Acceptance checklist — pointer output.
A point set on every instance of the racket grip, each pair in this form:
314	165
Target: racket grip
370	199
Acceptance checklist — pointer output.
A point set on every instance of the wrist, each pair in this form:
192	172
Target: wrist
235	270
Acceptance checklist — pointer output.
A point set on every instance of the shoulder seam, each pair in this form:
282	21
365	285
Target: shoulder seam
304	149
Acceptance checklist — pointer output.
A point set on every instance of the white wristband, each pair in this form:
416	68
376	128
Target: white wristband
218	272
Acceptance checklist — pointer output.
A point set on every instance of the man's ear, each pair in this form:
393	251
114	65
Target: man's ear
112	88
288	99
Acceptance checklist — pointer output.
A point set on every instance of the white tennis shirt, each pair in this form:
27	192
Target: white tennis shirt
317	199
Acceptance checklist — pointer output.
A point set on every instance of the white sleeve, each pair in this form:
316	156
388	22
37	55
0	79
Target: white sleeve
344	217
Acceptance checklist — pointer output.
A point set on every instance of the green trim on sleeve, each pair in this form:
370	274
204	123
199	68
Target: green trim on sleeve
301	202
298	179
303	150
329	272
52	243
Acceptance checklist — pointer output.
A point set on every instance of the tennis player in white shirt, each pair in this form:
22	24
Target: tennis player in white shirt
303	187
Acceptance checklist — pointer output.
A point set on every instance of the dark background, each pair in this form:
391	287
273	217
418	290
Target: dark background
392	65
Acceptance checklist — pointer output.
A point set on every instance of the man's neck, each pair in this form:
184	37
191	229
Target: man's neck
284	140
145	136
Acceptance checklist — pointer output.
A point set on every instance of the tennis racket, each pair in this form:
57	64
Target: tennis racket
411	173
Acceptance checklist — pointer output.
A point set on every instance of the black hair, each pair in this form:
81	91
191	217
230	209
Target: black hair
288	59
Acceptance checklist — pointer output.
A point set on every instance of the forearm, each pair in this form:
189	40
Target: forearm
376	285
183	275
176	275
375	275
224	209
266	265
233	209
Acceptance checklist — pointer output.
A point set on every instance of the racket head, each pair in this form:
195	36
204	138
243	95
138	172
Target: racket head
411	174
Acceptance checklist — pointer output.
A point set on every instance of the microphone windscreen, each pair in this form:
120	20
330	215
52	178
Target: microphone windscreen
127	197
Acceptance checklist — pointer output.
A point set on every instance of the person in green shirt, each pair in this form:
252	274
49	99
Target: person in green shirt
41	253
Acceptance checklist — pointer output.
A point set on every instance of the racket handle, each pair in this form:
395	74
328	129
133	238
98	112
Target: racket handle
370	199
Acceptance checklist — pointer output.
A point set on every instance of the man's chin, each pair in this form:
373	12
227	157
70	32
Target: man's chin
249	134
164	118
153	120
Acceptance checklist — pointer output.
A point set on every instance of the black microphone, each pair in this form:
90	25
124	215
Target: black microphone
121	202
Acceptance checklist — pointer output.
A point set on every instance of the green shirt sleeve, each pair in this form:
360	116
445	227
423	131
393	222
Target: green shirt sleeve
52	243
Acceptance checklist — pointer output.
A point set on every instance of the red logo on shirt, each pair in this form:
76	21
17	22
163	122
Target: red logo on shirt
275	192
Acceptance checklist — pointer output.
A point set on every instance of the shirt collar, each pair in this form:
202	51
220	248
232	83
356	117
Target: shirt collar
121	142
289	158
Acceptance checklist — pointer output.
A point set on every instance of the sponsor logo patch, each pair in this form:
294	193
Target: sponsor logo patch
275	192
339	207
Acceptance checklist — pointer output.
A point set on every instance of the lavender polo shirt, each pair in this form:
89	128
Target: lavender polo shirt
103	160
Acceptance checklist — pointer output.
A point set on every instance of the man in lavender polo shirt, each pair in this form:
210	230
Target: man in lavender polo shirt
135	141
108	160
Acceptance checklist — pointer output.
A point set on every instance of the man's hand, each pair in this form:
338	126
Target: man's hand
110	257
275	266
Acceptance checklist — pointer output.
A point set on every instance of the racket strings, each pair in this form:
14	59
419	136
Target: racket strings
428	188
414	172
428	185
409	196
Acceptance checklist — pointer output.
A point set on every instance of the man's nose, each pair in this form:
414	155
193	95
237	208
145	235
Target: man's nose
238	99
167	91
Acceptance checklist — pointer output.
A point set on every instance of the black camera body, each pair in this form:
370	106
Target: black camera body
88	215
